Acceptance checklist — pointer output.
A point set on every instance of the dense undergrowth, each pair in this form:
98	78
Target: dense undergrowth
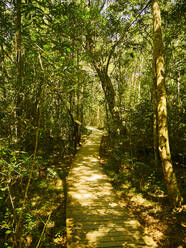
44	214
142	187
44	211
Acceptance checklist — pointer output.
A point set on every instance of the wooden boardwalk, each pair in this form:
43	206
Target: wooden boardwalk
95	217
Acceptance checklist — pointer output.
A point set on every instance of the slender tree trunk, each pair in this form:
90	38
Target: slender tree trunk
6	128
178	88
82	107
131	88
139	79
72	101
78	104
155	116
19	68
164	149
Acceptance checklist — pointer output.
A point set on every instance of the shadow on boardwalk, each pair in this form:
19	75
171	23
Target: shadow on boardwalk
95	217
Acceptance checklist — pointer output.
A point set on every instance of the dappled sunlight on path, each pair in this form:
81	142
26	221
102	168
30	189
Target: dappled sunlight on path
95	217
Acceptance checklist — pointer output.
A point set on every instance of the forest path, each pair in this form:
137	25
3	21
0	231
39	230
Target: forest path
95	216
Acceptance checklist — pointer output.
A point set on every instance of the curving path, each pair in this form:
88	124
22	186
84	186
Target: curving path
95	216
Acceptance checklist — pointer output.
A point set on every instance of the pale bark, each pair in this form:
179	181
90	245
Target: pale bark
164	149
178	88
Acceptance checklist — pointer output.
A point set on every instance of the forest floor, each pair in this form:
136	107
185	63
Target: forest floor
44	216
45	211
167	227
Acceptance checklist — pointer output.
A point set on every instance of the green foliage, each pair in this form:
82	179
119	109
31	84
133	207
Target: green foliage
16	161
141	128
61	42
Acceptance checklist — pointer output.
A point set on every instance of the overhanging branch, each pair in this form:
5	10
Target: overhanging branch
123	35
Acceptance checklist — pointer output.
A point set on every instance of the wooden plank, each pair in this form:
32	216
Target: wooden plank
95	217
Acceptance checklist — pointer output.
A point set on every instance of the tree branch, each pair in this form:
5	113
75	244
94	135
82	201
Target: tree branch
123	35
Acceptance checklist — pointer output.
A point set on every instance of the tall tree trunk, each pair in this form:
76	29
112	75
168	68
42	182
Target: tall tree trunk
19	68
155	116
110	98
164	149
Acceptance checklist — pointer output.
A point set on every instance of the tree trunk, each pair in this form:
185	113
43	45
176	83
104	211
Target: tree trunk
19	98
178	88
155	116
109	92
164	149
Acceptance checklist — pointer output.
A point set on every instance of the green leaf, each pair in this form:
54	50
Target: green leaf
68	49
46	47
2	189
8	232
31	55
